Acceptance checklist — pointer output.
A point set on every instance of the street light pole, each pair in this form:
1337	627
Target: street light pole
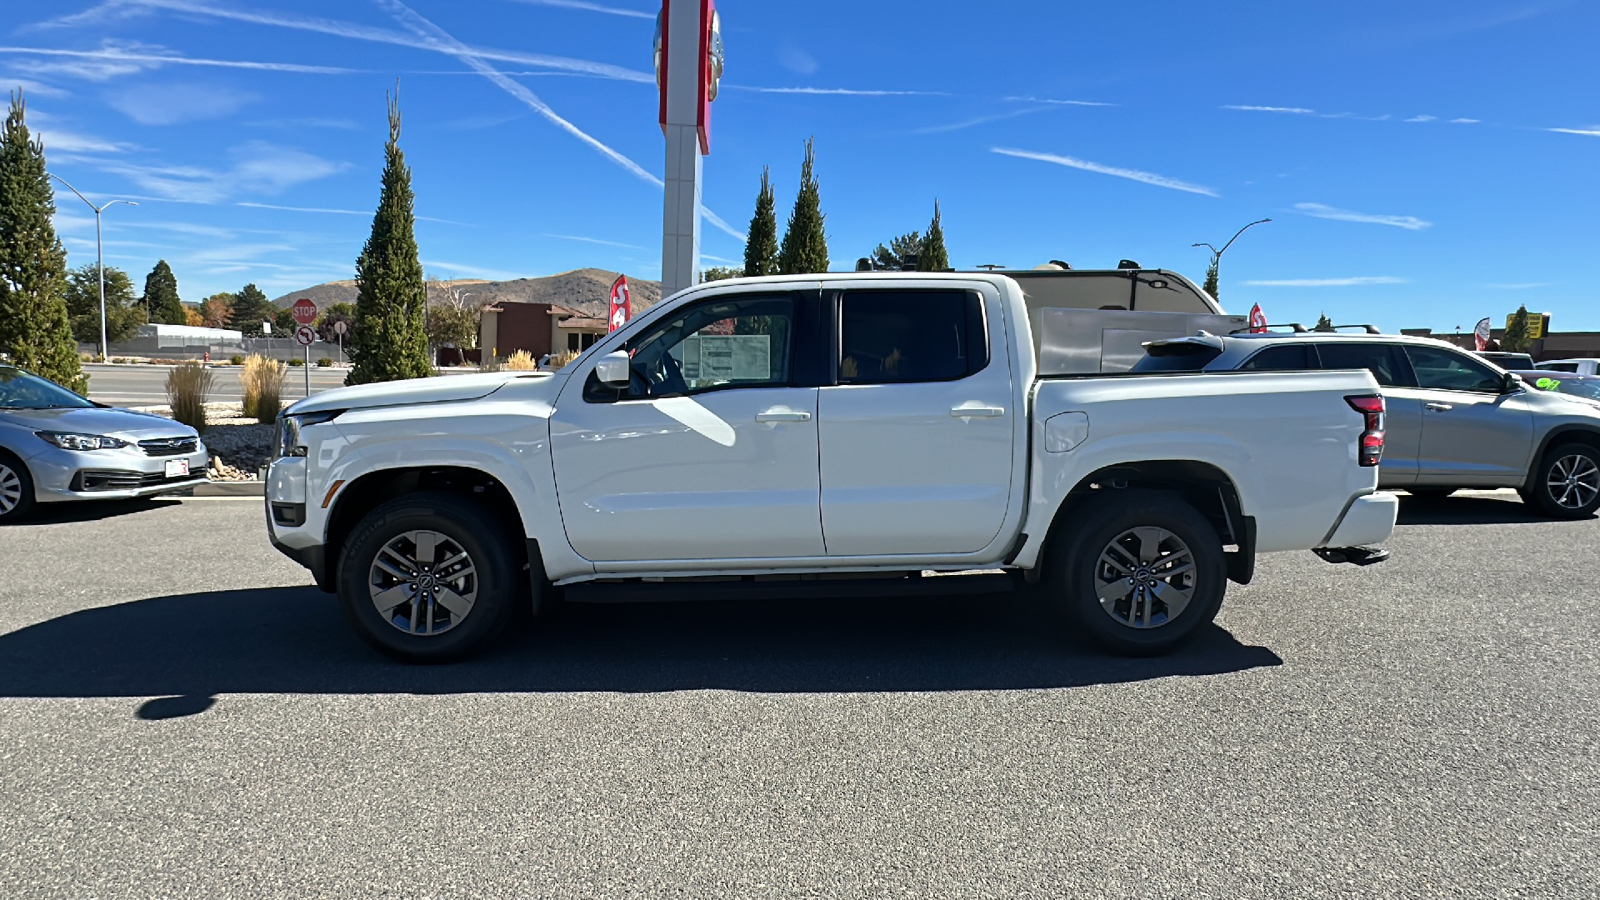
1216	255
100	257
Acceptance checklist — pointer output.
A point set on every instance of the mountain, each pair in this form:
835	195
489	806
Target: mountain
588	290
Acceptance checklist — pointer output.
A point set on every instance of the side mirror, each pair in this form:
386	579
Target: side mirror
1512	383
613	369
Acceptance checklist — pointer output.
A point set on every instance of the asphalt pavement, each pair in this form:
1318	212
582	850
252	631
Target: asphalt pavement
145	385
182	715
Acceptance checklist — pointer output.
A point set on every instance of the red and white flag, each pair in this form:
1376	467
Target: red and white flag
621	303
1258	320
1480	334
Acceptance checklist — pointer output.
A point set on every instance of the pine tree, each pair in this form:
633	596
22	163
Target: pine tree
1210	286
83	305
761	245
390	339
34	330
249	309
1516	337
805	246
1323	323
932	256
893	258
161	302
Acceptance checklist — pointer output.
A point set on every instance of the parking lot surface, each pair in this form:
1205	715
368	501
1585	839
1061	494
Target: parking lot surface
182	715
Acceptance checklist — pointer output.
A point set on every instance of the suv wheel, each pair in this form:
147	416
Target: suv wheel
422	579
1566	483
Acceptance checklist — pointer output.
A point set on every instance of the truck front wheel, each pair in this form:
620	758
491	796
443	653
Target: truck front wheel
1138	572
426	578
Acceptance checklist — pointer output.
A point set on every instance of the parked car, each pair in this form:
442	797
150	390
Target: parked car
1453	420
1507	360
1580	366
820	435
1586	387
56	446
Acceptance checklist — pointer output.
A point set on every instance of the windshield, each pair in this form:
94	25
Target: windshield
1572	387
19	390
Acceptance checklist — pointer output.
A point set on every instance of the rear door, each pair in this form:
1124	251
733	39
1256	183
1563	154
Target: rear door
917	424
1402	445
1472	434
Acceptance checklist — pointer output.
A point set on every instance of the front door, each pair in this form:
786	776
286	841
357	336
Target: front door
1472	434
918	424
710	452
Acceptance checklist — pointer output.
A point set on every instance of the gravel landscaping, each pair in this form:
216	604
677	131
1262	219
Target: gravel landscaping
239	447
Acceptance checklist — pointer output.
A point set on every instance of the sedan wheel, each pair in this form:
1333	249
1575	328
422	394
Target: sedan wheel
16	490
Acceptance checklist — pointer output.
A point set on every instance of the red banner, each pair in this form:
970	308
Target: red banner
1480	334
621	304
1258	320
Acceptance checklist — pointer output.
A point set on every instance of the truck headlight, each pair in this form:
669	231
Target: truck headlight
69	441
289	430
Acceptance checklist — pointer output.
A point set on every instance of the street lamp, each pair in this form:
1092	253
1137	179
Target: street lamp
1216	255
100	258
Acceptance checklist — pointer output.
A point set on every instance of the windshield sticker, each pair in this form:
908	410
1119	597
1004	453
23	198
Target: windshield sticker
1548	384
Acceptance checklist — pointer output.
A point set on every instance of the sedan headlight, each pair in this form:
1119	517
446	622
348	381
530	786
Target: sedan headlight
69	441
289	430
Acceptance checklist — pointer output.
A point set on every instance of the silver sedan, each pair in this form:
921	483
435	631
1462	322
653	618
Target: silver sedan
55	446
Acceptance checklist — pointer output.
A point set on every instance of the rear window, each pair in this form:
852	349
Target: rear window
1285	358
889	337
1559	367
1384	361
1176	357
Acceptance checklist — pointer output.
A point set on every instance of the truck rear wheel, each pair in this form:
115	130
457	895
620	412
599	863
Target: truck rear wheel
423	579
1138	572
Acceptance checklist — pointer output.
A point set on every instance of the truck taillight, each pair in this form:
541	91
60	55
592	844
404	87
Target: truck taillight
1370	446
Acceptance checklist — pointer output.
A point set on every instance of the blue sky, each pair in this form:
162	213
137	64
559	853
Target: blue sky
1425	163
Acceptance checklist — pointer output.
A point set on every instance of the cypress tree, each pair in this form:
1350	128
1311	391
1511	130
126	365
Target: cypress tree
161	301
1516	337
34	330
932	256
761	245
389	340
805	247
1210	286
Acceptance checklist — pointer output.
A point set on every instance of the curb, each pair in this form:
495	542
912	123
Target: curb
230	489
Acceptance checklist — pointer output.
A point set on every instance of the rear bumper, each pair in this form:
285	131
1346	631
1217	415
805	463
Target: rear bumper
1369	520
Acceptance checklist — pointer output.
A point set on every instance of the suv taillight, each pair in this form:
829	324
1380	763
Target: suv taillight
1369	450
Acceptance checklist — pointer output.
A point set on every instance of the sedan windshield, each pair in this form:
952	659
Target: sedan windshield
1571	387
20	390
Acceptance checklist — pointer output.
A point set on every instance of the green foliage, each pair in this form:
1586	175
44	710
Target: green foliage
283	322
249	309
1323	323
894	257
161	302
390	341
296	361
718	273
187	387
1516	337
805	246
338	312
324	362
761	244
1210	286
83	305
35	332
236	360
452	316
932	256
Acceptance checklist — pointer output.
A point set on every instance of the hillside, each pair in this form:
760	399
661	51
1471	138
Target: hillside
583	289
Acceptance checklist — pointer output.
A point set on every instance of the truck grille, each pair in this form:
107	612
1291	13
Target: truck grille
173	446
123	481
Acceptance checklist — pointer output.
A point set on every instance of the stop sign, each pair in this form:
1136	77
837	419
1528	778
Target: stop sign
305	312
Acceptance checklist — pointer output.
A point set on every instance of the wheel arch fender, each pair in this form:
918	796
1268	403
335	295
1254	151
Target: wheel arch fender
1566	434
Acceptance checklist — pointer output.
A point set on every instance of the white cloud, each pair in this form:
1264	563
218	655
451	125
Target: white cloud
1517	286
1587	132
1423	119
1294	110
1329	282
233	253
75	142
258	168
1465	121
590	240
469	270
979	120
184	101
834	92
115	59
1321	211
1057	102
718	223
1131	174
590	7
797	61
32	88
305	209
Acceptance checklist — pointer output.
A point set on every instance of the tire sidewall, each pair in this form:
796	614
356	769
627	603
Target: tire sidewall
26	502
463	521
1544	500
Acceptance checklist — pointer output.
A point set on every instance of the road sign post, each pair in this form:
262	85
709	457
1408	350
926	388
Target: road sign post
306	335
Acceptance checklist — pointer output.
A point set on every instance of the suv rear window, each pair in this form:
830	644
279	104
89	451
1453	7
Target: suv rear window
1384	361
1284	358
1176	356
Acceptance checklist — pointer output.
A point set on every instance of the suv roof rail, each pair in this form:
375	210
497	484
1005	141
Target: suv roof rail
1294	327
1369	329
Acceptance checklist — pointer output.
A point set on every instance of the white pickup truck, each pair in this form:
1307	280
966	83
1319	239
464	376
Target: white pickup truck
821	435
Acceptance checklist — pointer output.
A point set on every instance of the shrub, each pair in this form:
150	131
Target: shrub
324	363
236	360
560	360
489	364
296	361
262	385
187	387
521	361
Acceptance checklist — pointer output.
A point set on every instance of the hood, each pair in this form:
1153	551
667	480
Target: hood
123	423
413	391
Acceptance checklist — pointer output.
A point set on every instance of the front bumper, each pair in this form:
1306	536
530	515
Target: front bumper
124	474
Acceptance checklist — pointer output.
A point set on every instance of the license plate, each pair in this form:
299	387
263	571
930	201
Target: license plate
177	467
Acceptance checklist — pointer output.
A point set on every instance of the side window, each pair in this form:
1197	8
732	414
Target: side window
1559	367
1383	361
1442	370
716	345
1285	358
888	336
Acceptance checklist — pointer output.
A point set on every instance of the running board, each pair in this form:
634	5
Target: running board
1355	556
813	589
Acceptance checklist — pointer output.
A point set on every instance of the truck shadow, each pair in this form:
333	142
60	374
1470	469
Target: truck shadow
189	648
1467	510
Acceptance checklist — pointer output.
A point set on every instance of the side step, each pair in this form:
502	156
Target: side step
1355	556
812	589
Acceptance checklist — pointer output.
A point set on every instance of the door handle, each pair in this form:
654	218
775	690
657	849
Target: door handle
783	415
1439	407
978	412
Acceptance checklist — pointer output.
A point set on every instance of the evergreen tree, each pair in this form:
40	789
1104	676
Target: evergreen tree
1323	323
717	273
249	309
34	331
83	305
390	338
893	258
761	244
1210	286
161	302
932	257
1516	337
805	246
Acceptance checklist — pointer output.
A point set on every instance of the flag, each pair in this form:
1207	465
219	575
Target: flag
621	303
1480	334
1258	320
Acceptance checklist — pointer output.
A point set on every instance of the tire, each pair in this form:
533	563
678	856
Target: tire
1566	482
390	556
1111	526
16	489
1431	493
